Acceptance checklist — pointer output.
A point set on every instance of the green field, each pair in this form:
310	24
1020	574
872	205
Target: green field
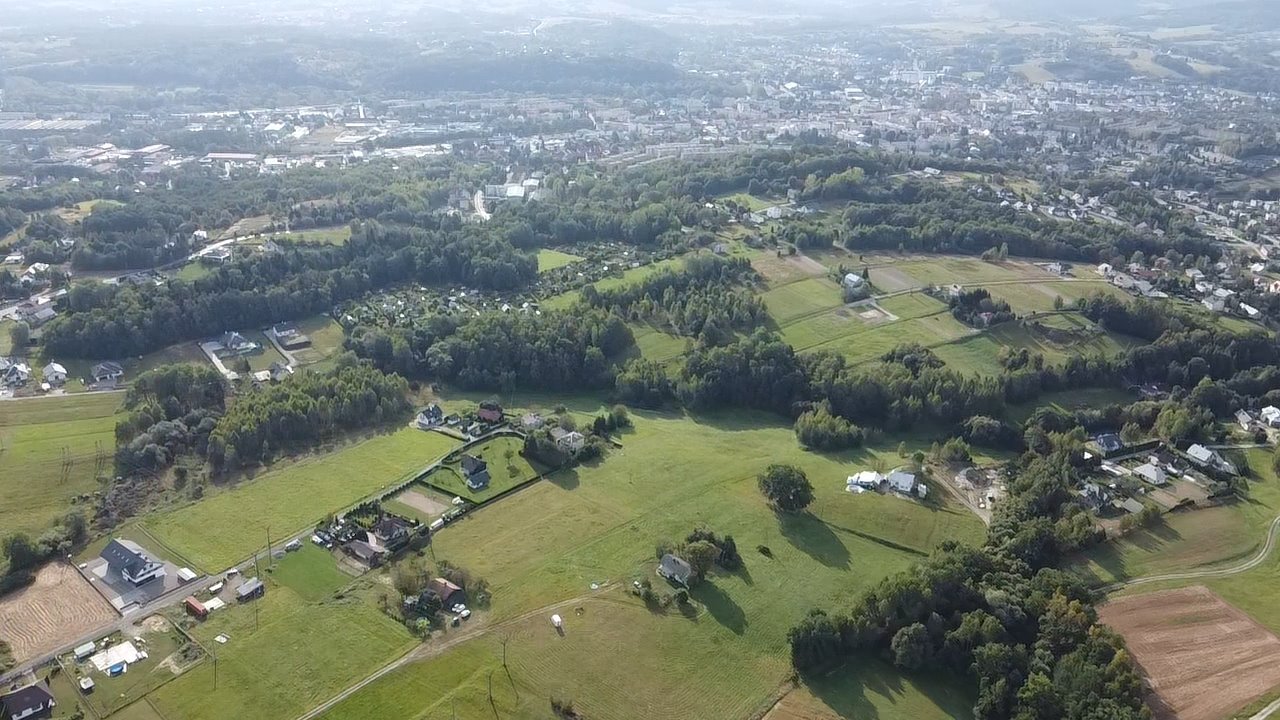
231	525
552	259
507	469
946	270
48	452
980	353
797	300
285	654
599	524
329	236
193	271
310	572
920	319
1038	297
657	345
750	202
114	693
326	340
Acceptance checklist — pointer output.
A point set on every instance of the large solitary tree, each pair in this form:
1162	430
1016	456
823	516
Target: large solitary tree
786	487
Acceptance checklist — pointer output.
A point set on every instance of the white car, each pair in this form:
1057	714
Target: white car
464	614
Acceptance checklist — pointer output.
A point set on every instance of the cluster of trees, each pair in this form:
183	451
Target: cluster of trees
1025	633
977	308
501	351
292	284
172	411
303	411
821	430
706	299
25	555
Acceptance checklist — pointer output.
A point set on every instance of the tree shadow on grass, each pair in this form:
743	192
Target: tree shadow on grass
814	538
566	479
721	607
846	690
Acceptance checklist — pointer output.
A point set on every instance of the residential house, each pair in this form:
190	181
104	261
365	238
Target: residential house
107	372
289	337
17	374
865	480
449	594
250	589
40	315
392	532
1204	457
901	481
221	255
32	701
1244	419
431	416
128	560
568	442
532	421
675	569
363	552
278	371
475	471
1094	496
235	344
55	374
1152	473
1270	415
490	412
1109	443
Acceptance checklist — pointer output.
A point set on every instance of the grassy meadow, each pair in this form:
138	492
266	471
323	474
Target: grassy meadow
230	525
551	259
48	452
287	651
599	524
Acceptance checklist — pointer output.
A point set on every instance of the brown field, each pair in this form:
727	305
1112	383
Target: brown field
422	502
58	608
1203	658
787	268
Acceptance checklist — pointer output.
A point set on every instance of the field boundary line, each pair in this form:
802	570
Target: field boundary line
1268	545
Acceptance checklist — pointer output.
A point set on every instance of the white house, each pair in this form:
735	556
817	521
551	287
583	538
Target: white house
131	562
571	442
1205	457
1270	415
1151	474
865	480
1244	419
901	481
55	374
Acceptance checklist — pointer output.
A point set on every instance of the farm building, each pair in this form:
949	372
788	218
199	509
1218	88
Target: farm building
131	562
901	481
476	472
249	589
865	480
448	593
675	569
195	608
32	701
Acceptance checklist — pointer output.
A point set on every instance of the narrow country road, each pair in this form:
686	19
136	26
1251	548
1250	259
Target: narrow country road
1245	566
432	649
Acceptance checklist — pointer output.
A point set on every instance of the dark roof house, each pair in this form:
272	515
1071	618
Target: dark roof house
1109	442
131	562
364	552
104	371
490	412
476	472
32	701
675	569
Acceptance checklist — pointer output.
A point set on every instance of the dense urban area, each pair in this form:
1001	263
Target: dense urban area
629	360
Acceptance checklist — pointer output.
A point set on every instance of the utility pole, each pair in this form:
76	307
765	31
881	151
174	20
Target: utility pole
268	545
215	669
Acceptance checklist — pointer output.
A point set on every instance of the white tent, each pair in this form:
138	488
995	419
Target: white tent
556	621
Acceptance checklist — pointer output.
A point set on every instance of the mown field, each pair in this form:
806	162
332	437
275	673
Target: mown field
230	525
48	453
288	651
326	340
552	259
599	525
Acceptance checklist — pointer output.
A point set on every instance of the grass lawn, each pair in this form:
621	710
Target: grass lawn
600	523
750	202
552	259
6	344
1069	401
193	271
945	270
921	319
326	339
229	526
657	345
48	453
260	360
797	300
979	353
1203	538
286	653
1038	297
869	689
114	693
504	472
82	210
310	572
630	275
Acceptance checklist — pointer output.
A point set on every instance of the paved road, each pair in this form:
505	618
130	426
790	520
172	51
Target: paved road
432	649
1245	566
